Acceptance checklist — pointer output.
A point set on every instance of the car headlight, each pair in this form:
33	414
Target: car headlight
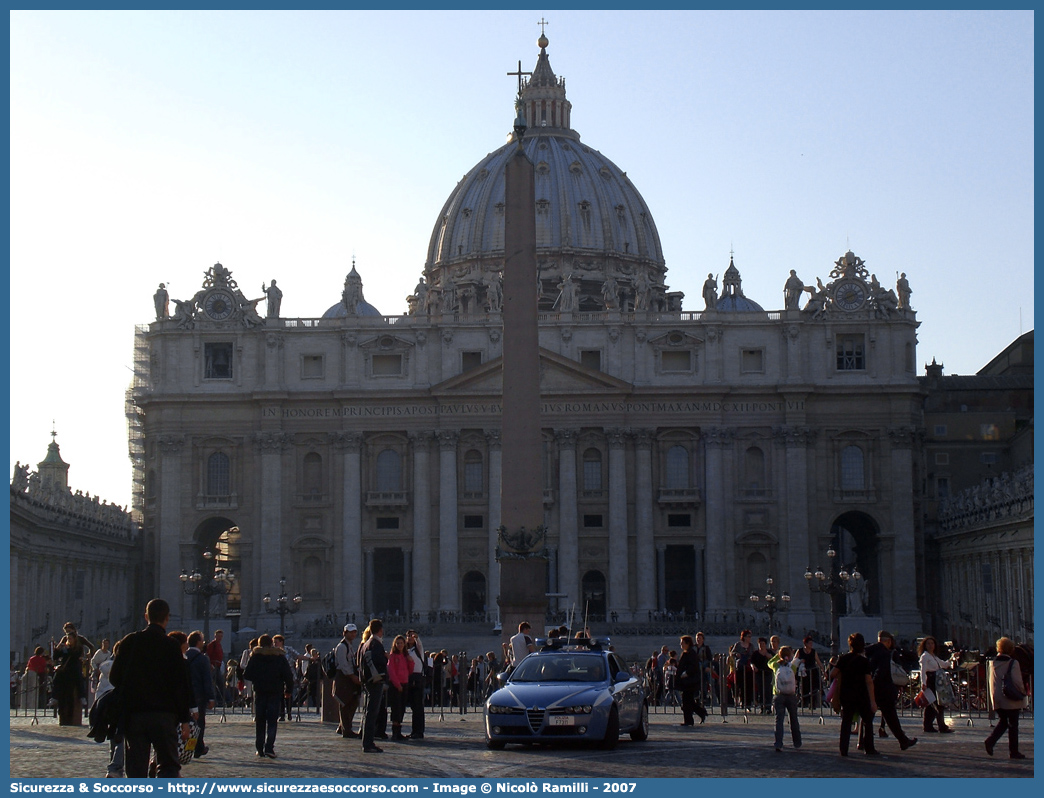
498	710
581	710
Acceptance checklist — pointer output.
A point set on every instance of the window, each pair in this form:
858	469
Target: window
592	521
850	353
752	361
389	471
312	367
941	458
473	522
81	582
312	474
942	487
679	519
676	362
470	360
473	472
387	522
591	358
754	471
989	432
592	470
852	469
218	475
677	471
217	361
386	365
940	430
989	458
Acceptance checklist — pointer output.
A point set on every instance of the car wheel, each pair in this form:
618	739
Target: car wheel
640	733
612	730
495	745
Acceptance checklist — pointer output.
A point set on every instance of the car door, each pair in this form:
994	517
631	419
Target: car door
627	693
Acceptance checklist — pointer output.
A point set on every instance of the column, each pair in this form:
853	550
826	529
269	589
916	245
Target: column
407	581
715	441
421	522
273	361
568	532
351	572
168	535
368	562
448	598
270	445
661	582
794	552
907	619
618	583
645	556
495	485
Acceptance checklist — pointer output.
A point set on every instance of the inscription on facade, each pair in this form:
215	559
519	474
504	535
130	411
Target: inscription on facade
483	408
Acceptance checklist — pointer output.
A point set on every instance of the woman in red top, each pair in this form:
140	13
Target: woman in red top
37	686
399	669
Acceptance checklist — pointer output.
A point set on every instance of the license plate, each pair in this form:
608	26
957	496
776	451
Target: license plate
563	720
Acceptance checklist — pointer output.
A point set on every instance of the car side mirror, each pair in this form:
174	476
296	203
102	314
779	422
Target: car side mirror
621	677
502	678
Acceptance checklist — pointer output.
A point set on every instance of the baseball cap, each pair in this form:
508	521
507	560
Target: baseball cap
351	627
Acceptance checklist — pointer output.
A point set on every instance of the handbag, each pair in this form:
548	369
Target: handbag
900	678
1011	692
833	695
920	700
186	748
944	692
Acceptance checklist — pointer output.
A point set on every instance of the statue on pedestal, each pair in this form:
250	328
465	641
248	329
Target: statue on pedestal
275	297
161	300
710	292
792	290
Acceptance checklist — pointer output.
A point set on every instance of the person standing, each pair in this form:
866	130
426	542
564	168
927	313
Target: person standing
857	695
37	685
688	674
415	651
741	652
374	671
202	679
69	686
931	664
347	684
103	654
272	678
293	657
156	694
1007	708
810	672
399	669
114	770
521	644
784	668
886	692
216	655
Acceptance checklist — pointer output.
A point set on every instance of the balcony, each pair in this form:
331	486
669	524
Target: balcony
679	497
206	501
387	498
755	495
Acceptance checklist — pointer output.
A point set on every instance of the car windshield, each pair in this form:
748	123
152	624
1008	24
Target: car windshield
560	667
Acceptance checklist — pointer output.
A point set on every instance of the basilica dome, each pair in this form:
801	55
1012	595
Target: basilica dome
591	221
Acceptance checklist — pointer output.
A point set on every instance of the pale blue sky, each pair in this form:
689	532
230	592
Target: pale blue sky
145	146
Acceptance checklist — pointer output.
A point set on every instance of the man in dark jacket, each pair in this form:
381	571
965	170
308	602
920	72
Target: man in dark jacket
202	679
373	670
153	678
880	655
272	678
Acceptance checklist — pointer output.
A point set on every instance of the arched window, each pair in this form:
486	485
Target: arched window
218	475
313	577
592	470
313	474
852	477
754	470
757	572
677	468
473	471
389	471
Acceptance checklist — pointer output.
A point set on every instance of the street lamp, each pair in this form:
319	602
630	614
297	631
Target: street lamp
197	584
837	586
770	606
284	605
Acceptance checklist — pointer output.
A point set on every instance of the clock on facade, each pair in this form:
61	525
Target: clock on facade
219	305
849	295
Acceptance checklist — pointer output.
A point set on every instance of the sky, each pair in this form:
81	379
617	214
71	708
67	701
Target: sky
146	146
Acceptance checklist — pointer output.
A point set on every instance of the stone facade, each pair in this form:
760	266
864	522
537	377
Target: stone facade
686	455
73	558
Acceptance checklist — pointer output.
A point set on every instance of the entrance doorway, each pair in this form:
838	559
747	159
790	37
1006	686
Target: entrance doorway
855	535
473	593
680	579
592	588
389	579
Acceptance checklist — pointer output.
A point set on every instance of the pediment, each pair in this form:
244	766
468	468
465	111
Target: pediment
558	376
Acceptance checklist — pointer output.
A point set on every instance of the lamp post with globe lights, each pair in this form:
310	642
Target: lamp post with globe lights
837	585
283	604
198	584
773	604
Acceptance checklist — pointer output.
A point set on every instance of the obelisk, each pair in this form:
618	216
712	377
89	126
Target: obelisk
523	564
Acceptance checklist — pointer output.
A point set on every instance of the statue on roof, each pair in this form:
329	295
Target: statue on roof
161	301
275	297
884	301
218	276
792	291
567	294
642	290
184	313
710	292
20	480
495	294
611	293
902	288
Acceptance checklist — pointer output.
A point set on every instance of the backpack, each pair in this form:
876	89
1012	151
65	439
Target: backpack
1011	692
329	663
786	683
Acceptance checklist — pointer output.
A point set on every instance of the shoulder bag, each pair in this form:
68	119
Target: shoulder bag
1011	692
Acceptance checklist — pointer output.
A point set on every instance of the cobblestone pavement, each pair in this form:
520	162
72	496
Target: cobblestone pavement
454	748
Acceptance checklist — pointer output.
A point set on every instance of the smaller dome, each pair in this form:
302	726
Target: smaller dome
352	302
732	298
362	308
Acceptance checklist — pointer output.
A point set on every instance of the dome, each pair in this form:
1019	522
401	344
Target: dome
352	297
732	298
591	221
